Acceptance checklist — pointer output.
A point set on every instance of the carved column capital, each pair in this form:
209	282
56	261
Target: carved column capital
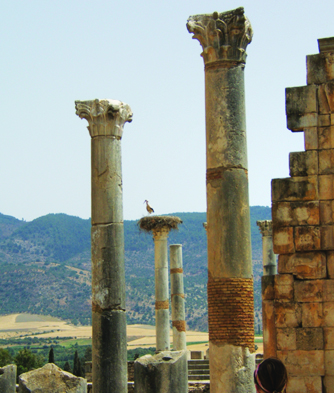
105	117
266	227
224	37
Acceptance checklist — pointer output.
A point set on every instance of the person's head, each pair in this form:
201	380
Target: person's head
270	376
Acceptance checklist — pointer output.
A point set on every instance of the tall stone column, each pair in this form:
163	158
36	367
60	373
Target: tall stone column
106	119
268	256
177	289
224	38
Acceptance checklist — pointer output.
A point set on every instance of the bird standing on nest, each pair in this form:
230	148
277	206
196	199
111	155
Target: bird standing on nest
148	207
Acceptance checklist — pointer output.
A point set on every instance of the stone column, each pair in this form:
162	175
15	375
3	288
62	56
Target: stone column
268	256
160	226
224	38
106	119
177	295
161	289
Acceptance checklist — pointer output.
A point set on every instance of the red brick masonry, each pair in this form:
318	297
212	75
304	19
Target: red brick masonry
231	311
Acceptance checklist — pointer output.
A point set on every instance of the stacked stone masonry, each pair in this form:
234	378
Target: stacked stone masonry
298	303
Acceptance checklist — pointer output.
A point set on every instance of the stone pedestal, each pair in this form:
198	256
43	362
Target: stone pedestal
224	38
166	372
268	256
8	379
106	119
178	309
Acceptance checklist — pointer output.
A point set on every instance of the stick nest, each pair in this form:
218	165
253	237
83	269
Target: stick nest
154	223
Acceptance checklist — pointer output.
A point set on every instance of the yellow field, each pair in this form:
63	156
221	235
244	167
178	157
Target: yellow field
16	325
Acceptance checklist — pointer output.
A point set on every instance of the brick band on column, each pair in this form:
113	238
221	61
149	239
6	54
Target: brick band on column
176	270
179	325
231	311
162	305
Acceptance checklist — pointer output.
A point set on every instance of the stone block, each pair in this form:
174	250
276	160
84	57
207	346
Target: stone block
304	384
326	137
269	328
308	265
8	379
283	240
328	381
298	122
326	98
307	238
324	120
267	287
283	286
311	138
295	213
320	68
329	337
309	291
328	290
166	372
328	308
295	189
326	187
330	264
51	378
301	99
327	237
326	212
329	362
286	339
303	163
312	314
300	362
326	162
196	355
287	315
309	339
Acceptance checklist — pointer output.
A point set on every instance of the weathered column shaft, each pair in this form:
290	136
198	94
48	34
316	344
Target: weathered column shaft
177	295
268	256
224	38
161	290
106	119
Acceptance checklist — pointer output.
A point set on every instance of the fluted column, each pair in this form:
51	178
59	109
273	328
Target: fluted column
106	119
268	256
177	295
224	38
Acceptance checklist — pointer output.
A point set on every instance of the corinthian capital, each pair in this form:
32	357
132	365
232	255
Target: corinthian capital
105	117
224	36
266	227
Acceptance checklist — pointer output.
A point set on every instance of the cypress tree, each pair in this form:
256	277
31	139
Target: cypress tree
51	356
67	367
77	365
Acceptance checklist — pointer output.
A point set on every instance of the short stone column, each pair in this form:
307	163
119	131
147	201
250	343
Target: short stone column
166	372
8	379
177	295
268	256
160	226
106	119
224	38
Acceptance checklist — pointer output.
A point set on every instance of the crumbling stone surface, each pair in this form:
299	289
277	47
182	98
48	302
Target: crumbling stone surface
51	379
8	379
298	303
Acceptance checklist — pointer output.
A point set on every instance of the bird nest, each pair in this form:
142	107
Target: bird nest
155	223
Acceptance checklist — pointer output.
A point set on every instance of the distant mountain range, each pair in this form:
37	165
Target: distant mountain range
46	265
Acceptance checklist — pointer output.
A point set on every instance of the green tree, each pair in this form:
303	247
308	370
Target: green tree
67	367
88	354
5	357
26	361
51	356
77	370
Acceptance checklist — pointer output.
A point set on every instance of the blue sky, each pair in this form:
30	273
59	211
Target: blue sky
139	52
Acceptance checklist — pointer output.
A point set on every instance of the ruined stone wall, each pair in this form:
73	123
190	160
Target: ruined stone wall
298	303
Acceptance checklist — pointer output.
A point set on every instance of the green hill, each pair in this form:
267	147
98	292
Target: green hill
46	267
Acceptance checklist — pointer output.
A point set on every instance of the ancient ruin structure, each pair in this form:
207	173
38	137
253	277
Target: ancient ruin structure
106	119
8	379
160	226
298	315
177	295
224	38
268	256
